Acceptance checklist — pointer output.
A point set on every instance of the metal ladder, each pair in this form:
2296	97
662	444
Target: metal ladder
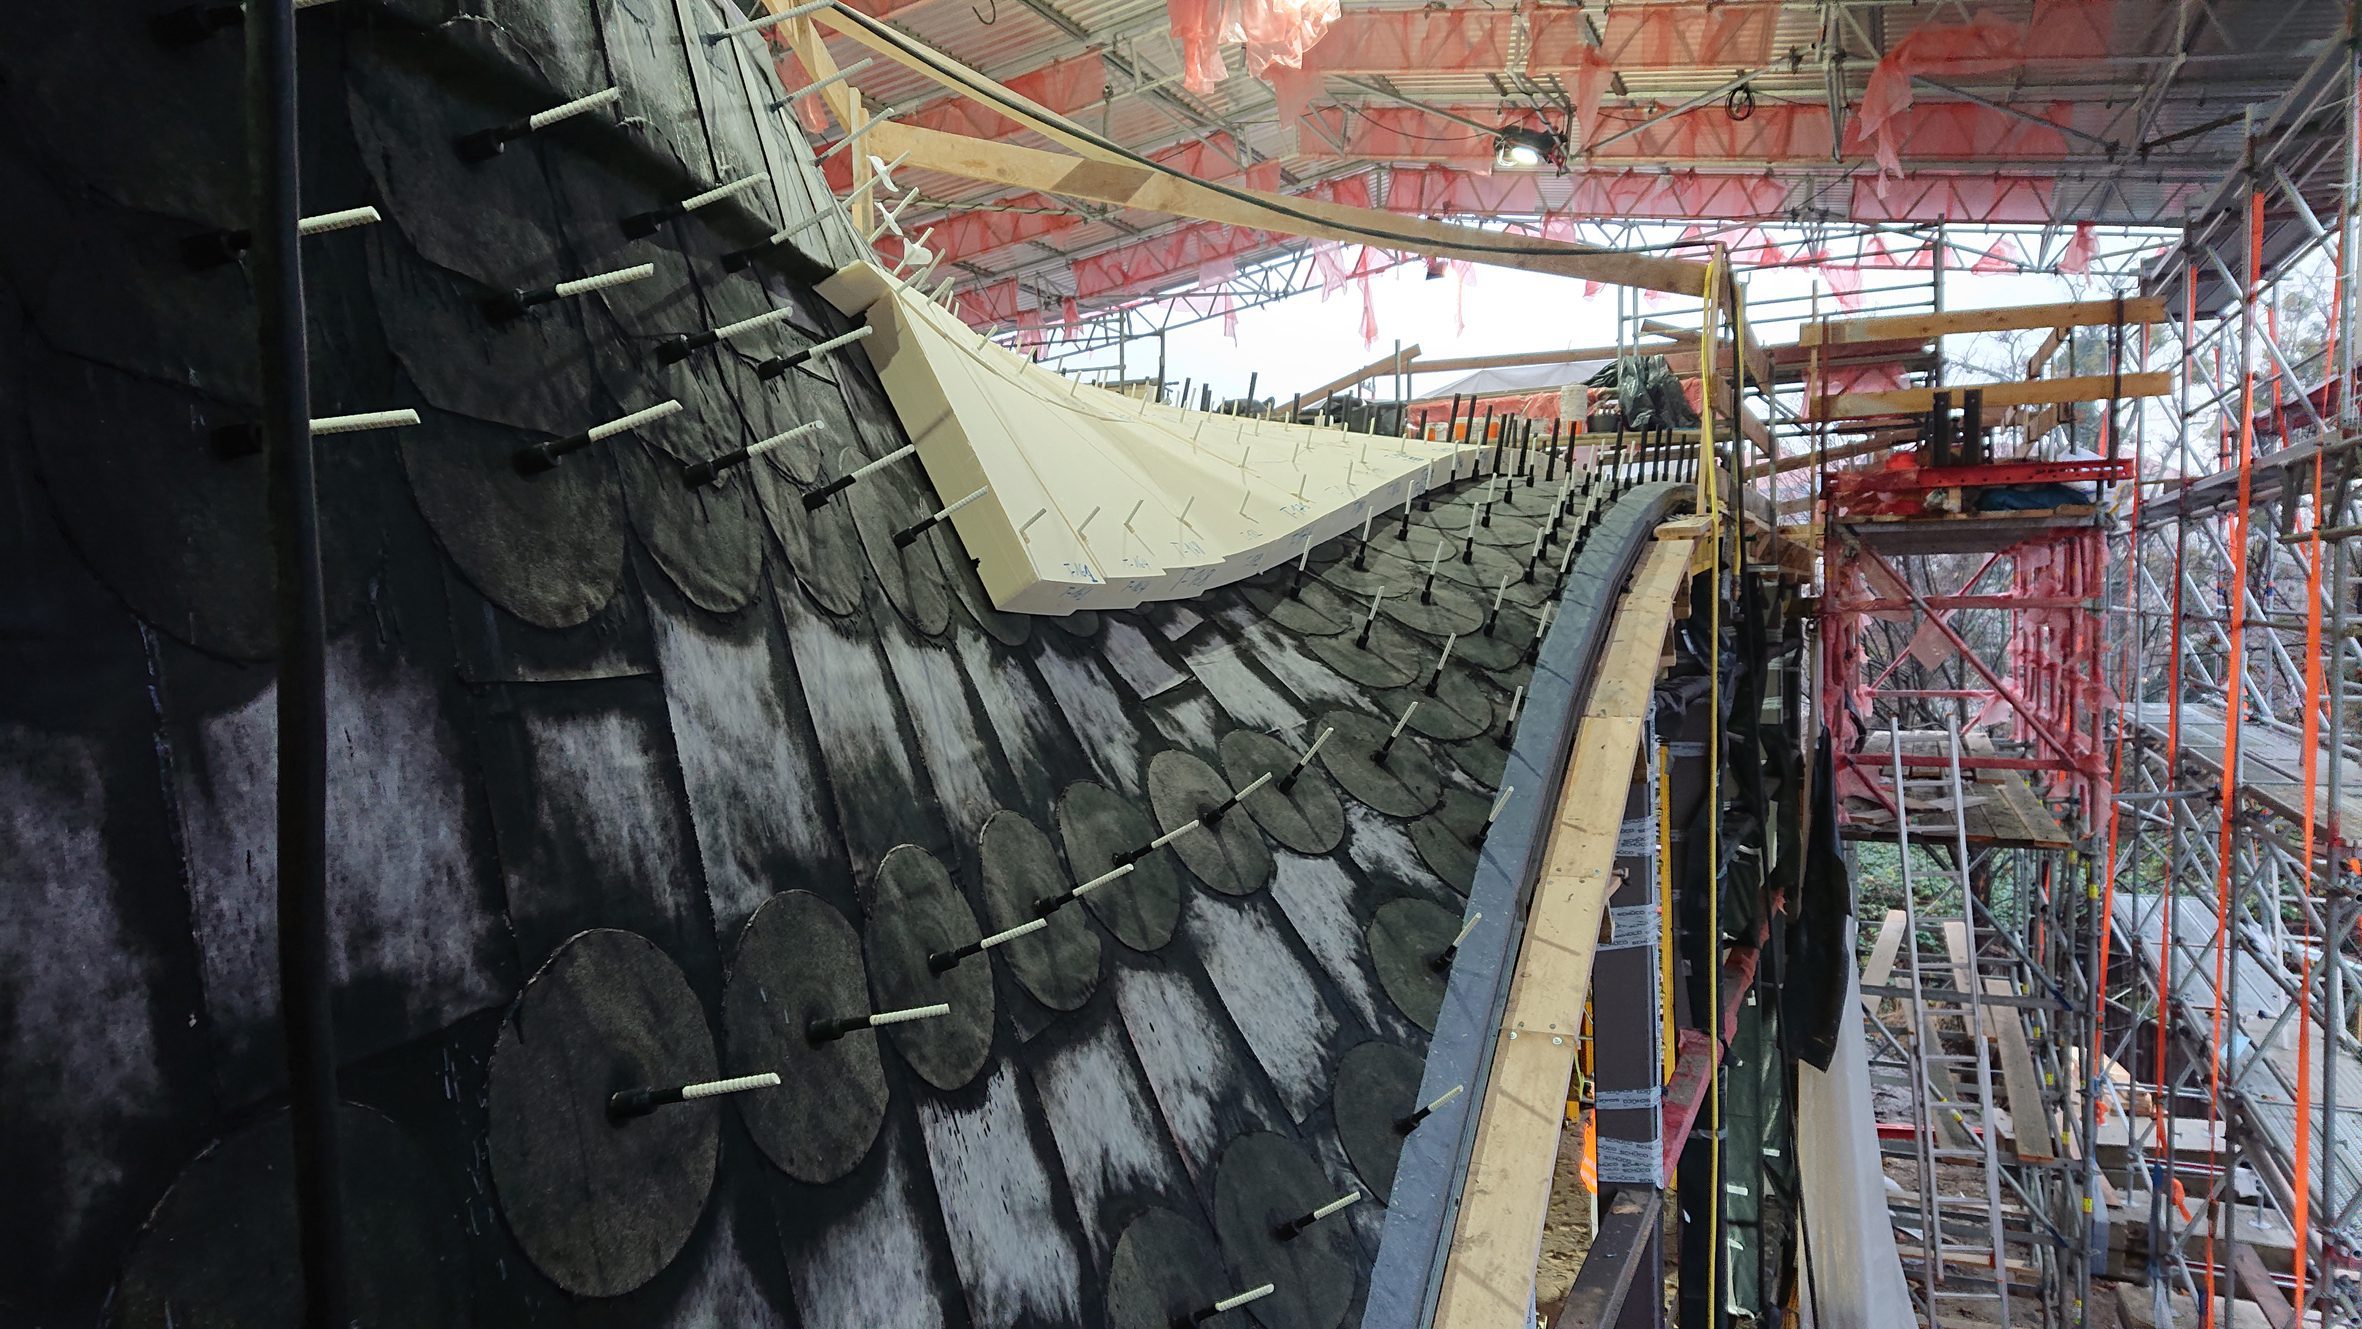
1949	1231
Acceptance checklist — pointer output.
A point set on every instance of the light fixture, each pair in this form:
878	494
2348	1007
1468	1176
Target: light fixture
1517	148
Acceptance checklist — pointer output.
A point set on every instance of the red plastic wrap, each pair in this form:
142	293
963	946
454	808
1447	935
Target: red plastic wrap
1274	32
1062	86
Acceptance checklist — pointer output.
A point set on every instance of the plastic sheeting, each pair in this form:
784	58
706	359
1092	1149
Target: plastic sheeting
1959	198
1557	40
1163	259
1275	32
1435	190
965	236
1650	394
1986	44
1853	1273
1062	86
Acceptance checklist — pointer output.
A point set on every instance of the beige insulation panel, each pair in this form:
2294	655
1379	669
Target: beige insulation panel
1099	500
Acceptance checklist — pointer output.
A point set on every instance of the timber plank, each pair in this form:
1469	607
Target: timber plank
2029	392
2014	318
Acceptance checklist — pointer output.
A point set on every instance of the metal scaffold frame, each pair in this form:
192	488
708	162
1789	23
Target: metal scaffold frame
2235	657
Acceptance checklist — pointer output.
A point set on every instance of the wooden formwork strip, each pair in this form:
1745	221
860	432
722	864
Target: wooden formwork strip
1488	1273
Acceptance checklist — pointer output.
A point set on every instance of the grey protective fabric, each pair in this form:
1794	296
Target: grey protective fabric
1853	1274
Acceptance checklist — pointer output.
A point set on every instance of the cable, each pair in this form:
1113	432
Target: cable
306	982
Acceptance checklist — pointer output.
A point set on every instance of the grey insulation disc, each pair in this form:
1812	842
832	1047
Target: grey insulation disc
1446	838
1436	610
1082	623
1504	645
602	1206
1511	531
1006	628
1377	1086
1481	758
1388	656
1405	937
1164	1269
1544	586
1306	816
1228	856
799	961
1457	709
1385	568
1304	605
1483	573
887	502
1097	824
1059	964
220	1247
548	549
706	539
1264	1180
181	533
1405	784
824	554
914	912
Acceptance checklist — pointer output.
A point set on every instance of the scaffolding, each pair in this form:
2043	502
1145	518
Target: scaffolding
2229	857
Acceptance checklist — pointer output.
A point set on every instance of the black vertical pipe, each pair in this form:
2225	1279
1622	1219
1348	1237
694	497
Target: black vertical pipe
293	503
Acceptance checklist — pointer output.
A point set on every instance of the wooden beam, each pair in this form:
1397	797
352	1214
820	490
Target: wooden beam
1795	461
2030	392
1515	359
842	99
1384	364
1118	181
2041	357
1632	1224
1488	1277
2256	1281
1756	431
2073	314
